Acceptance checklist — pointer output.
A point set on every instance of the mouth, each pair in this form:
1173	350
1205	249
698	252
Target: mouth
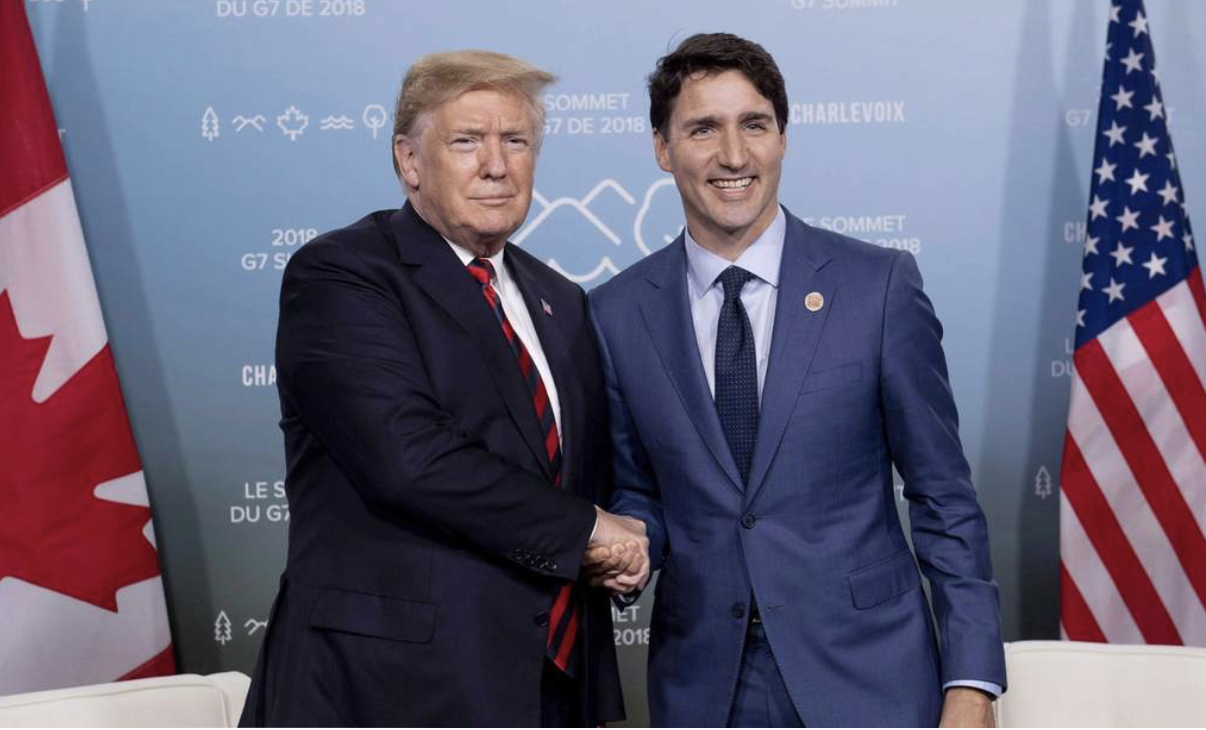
494	200
732	184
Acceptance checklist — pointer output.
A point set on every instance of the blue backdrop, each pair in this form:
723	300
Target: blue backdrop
208	139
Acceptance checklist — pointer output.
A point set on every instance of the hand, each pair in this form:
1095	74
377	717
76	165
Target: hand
617	556
966	707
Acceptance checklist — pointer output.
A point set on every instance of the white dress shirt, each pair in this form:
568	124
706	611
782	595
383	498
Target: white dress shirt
519	317
758	296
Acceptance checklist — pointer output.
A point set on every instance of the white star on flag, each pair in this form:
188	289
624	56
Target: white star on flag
1098	207
1133	62
1163	229
1129	219
1168	192
1156	109
1091	244
1114	290
1122	255
1115	134
1139	24
1084	280
1155	266
1137	181
1105	171
1147	146
1123	99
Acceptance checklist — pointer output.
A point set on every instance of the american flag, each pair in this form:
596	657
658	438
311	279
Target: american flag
1133	493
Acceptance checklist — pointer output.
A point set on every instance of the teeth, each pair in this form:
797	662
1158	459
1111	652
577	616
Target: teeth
733	184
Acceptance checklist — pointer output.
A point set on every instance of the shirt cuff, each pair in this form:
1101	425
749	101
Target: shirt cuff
990	687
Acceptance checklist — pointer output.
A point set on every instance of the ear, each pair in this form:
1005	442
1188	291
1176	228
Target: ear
406	154
661	151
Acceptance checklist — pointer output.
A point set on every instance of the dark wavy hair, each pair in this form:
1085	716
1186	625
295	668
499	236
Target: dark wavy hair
709	53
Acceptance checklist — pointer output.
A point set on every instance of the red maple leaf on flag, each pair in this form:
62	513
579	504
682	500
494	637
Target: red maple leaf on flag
54	532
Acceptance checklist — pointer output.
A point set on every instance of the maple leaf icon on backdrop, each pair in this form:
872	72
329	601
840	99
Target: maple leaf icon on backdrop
54	532
292	123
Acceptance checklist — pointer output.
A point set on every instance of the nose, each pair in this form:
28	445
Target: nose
733	153
492	161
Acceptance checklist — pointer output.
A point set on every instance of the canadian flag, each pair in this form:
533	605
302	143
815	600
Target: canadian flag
81	597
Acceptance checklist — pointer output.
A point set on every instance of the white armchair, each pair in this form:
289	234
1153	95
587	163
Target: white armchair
1081	684
182	700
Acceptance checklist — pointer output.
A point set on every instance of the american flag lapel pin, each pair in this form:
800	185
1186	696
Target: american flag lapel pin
547	309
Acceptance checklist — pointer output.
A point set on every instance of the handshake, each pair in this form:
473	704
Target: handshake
617	556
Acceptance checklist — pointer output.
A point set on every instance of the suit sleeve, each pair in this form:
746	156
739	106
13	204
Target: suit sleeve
348	364
950	533
636	491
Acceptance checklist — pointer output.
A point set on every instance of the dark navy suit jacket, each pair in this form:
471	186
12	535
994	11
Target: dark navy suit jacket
851	390
427	541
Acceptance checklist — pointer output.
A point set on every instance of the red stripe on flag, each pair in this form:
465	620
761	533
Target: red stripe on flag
1199	296
567	641
1176	371
1074	612
563	598
160	665
29	141
1112	546
1145	462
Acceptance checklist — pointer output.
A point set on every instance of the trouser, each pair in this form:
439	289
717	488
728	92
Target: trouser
761	699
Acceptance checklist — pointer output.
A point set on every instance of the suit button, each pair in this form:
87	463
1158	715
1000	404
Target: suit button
747	521
550	565
541	619
738	610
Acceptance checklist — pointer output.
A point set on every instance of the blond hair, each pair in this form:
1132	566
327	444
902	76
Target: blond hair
440	77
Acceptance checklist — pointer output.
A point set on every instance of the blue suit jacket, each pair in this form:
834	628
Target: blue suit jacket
851	390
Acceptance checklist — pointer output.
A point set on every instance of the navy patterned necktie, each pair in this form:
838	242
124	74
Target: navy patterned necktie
736	372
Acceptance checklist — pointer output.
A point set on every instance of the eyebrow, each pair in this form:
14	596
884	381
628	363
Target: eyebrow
712	119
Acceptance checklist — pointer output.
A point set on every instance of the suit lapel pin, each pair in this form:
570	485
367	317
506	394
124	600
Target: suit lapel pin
547	309
814	301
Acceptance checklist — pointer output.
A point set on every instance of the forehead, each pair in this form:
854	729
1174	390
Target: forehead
484	107
726	93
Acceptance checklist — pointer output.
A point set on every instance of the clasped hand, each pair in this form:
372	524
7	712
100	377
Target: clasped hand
617	556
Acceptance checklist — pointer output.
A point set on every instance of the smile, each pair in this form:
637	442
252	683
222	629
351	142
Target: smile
740	183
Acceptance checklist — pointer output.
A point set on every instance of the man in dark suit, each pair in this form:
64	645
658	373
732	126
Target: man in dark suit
764	377
445	433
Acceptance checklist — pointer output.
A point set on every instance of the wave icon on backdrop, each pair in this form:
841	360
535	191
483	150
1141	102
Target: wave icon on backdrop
578	236
333	122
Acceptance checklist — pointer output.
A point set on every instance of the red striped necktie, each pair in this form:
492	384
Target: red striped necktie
563	619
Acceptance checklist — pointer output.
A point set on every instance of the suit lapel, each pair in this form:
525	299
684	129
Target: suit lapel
793	343
667	315
442	277
555	345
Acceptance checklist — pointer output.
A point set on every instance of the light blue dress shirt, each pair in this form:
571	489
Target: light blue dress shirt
759	297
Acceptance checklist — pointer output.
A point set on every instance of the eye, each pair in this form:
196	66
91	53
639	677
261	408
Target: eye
701	131
756	126
518	143
462	143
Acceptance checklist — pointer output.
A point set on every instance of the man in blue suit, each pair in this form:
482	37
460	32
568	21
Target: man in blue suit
764	377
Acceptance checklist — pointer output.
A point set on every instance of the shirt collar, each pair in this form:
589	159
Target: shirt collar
465	255
761	259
